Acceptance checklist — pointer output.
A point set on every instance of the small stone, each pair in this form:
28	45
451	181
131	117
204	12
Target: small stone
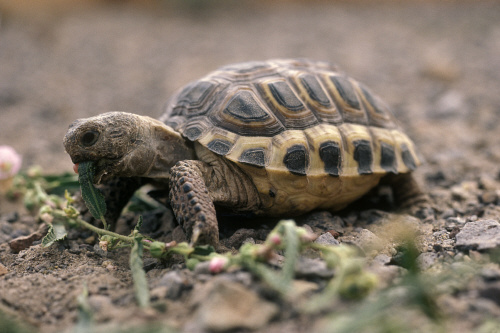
230	306
453	233
386	274
100	252
308	228
455	221
368	241
312	268
448	105
74	248
460	193
249	240
441	68
3	270
426	260
202	268
490	273
21	243
301	289
149	264
99	302
382	259
12	217
479	235
175	284
327	239
488	183
448	213
489	197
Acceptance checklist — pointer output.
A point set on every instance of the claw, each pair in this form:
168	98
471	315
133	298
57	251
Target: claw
195	236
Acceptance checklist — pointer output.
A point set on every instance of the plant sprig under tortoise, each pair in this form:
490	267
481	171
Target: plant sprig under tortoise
276	138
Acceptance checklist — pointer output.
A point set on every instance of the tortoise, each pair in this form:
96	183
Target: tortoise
277	138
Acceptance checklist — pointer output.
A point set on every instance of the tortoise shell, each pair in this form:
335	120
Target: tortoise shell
294	117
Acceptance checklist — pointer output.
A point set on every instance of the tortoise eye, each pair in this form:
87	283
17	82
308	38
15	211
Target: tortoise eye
89	138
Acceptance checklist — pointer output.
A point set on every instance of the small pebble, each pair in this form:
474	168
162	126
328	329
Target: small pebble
312	268
490	273
489	197
12	217
479	235
230	306
426	260
175	284
327	239
3	270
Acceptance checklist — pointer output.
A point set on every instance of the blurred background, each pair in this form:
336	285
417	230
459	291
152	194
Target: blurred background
437	63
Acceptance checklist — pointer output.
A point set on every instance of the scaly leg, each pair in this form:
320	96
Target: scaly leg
191	202
408	195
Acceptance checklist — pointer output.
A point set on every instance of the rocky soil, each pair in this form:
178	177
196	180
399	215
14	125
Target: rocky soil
436	63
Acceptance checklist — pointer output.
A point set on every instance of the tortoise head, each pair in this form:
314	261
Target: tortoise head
124	145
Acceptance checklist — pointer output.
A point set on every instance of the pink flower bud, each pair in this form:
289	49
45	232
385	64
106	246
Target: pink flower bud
275	239
217	264
10	162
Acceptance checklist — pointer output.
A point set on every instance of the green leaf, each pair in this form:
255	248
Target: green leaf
292	251
138	274
139	223
203	250
56	233
84	322
93	197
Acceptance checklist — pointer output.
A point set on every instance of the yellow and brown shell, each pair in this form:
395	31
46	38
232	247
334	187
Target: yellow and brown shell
288	122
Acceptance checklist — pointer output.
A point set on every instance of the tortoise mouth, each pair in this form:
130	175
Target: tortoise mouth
104	169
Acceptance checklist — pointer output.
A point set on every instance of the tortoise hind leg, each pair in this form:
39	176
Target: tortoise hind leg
192	204
405	190
408	195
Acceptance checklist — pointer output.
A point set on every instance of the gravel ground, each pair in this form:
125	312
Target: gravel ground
437	64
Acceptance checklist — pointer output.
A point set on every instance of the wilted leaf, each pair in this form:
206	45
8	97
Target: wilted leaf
56	233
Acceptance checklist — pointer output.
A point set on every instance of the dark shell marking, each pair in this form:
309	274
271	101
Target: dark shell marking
363	155
388	158
296	160
251	112
220	147
330	154
253	156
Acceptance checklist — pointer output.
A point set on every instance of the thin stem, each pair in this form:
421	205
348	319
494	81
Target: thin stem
104	232
95	229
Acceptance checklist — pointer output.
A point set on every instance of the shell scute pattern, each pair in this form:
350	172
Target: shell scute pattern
295	117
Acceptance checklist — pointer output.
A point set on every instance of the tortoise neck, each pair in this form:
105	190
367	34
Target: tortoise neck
170	147
158	148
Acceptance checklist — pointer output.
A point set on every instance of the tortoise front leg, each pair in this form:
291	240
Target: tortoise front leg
191	202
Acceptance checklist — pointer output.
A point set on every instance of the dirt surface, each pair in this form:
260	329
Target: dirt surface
436	64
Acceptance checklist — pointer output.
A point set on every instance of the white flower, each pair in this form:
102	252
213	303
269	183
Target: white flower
10	162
